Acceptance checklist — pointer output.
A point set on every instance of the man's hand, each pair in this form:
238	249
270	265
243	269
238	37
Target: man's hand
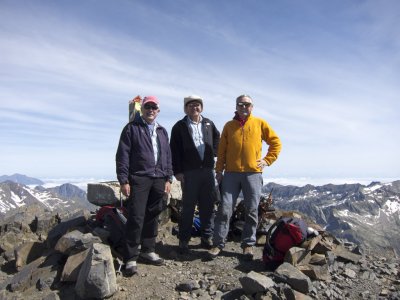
218	176
126	189
180	177
261	163
167	187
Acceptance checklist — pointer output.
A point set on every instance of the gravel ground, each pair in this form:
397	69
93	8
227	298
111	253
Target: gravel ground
221	273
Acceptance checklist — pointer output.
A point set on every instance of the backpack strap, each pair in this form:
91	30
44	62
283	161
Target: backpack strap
270	236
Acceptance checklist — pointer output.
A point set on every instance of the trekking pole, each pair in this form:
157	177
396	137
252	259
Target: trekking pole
119	212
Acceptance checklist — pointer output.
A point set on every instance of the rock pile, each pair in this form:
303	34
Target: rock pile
67	257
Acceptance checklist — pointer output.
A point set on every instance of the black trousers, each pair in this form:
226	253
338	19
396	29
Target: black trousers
144	206
198	189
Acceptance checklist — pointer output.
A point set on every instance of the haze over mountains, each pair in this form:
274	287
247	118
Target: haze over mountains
22	179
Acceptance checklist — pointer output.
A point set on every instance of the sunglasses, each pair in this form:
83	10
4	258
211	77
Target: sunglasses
244	104
149	106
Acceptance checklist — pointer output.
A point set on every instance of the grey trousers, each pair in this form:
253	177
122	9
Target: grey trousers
250	184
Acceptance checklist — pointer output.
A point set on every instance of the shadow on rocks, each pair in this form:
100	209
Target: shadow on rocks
233	295
246	266
9	267
171	252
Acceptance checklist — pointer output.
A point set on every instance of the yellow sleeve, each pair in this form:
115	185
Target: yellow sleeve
222	147
273	142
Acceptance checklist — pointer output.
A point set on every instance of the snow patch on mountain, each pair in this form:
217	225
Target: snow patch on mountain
392	206
65	197
19	201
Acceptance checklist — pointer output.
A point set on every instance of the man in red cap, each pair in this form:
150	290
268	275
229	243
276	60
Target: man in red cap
144	171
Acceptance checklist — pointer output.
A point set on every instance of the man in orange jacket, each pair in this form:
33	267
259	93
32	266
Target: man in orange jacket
239	157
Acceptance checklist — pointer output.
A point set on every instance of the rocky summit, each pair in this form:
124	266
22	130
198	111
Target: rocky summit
51	255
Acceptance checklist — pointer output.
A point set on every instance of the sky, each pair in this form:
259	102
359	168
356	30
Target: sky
324	74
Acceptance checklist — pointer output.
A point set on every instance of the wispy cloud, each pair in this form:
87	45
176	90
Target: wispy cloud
326	78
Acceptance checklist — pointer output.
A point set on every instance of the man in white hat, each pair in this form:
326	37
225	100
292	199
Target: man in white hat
194	143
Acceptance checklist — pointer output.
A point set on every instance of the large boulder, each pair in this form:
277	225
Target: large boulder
97	278
104	193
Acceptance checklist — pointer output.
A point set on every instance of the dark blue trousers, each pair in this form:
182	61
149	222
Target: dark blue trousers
144	206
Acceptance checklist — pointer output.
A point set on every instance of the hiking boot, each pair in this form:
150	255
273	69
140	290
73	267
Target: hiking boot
214	252
248	252
130	268
152	258
206	243
183	247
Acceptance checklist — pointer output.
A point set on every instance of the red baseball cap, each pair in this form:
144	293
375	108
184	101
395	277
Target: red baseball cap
152	99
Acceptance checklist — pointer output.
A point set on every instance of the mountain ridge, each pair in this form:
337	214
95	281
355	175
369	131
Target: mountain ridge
64	197
366	215
22	179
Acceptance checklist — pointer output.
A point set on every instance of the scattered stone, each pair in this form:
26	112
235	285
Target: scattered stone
78	219
342	253
255	282
75	242
295	278
188	286
318	259
44	268
297	256
350	273
28	252
72	266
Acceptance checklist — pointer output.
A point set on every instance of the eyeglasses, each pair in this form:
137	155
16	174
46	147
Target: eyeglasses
149	106
194	104
244	104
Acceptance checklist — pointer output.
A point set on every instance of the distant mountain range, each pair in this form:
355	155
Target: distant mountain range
15	196
367	215
22	179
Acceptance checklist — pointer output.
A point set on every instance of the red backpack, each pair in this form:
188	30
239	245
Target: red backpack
114	219
284	234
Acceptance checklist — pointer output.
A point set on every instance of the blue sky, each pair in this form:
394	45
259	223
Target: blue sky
324	74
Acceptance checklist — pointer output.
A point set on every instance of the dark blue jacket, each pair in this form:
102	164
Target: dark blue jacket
185	156
135	155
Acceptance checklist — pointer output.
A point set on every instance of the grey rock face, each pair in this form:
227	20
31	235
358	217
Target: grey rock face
97	277
104	193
